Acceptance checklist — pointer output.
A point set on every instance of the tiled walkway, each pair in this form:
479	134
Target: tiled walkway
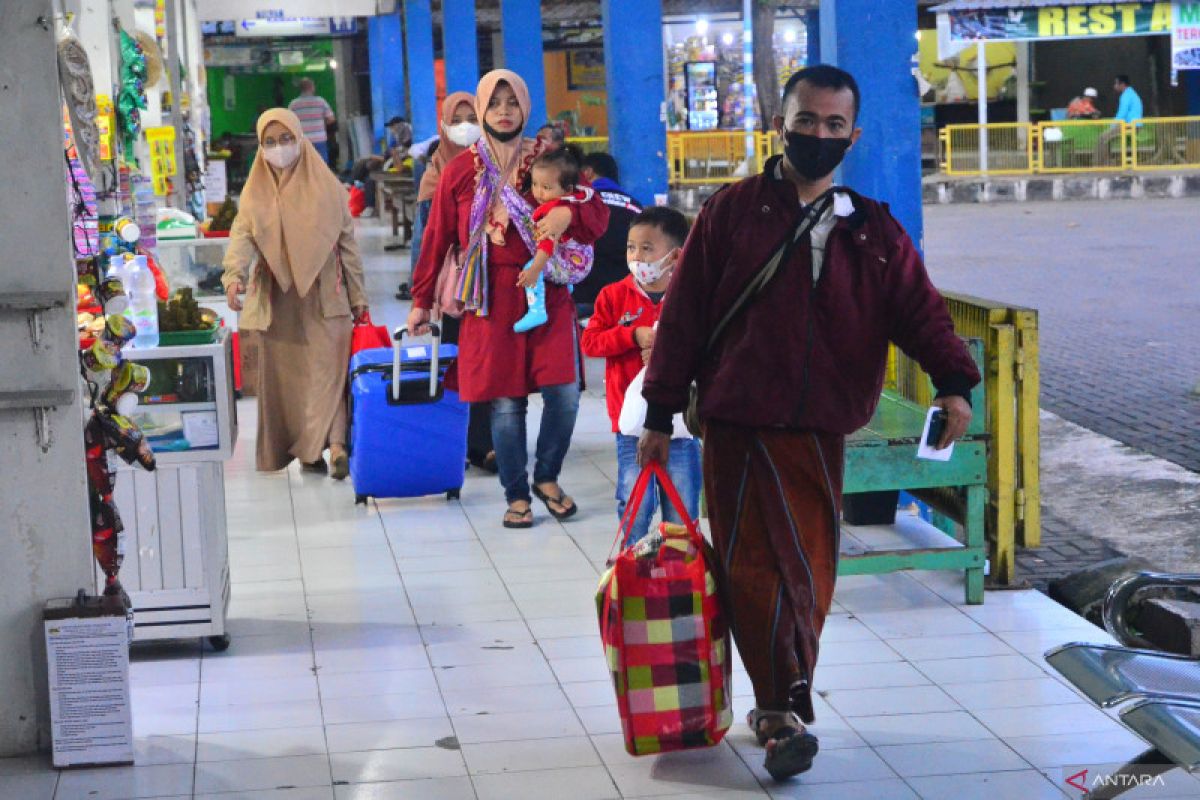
416	649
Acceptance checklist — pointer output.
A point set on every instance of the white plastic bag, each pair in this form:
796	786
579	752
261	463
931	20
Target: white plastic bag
633	412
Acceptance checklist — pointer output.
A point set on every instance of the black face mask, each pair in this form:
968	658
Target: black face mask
501	137
814	157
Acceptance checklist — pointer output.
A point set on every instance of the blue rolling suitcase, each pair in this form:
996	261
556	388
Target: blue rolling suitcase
408	433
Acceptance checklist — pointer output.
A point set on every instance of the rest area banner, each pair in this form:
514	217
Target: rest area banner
1185	36
1092	21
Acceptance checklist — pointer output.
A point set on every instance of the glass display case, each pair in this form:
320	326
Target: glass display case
188	411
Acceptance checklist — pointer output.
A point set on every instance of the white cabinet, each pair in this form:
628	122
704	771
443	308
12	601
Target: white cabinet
176	566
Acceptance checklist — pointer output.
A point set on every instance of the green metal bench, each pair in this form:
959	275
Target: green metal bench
882	457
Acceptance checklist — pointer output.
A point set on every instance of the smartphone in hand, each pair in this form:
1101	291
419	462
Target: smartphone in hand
937	427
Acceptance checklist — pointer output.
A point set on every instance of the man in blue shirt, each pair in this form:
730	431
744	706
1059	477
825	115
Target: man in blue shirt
1129	111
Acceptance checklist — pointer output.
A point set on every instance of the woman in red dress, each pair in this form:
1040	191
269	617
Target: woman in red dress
476	209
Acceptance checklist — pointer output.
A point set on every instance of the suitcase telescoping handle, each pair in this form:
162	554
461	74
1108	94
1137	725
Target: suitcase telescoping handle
397	337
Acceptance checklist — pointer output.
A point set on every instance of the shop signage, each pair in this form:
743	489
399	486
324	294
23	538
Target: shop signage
1093	21
1185	36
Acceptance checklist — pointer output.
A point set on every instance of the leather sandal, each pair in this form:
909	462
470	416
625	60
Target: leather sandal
790	748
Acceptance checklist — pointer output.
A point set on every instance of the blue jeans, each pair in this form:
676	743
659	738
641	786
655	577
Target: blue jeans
561	407
684	471
414	247
323	149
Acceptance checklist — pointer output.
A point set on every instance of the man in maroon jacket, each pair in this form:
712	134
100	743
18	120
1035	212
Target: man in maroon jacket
799	368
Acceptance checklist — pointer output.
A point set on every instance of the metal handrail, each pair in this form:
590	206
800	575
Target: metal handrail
1121	594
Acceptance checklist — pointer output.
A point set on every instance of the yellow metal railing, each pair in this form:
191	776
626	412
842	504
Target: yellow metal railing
1005	148
1010	336
590	144
717	157
1166	143
1083	145
1065	146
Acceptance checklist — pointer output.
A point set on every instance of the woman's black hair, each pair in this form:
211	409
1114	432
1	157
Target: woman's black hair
671	222
563	161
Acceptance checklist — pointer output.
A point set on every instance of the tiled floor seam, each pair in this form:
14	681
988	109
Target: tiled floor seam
421	633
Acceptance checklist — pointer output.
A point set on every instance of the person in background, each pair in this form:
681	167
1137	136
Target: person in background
1129	111
396	143
314	113
294	224
793	373
476	209
551	136
609	266
622	331
1084	106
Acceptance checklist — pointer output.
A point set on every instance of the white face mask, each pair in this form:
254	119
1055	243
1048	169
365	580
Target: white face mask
282	156
650	272
464	134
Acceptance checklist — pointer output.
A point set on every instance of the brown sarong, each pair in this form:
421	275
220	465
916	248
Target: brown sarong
774	498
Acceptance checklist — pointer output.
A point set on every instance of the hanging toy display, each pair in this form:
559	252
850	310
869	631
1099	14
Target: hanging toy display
105	520
132	97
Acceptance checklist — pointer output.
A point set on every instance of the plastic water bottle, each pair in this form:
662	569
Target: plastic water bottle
143	304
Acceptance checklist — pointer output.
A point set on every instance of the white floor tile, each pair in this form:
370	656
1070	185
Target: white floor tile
982	669
339	710
256	692
867	676
590	693
269	716
120	783
1026	784
305	793
895	700
372	659
586	783
837	766
152	750
528	755
32	786
428	789
1079	718
262	774
919	728
478	728
371	684
545	698
397	765
963	646
453	679
803	789
389	734
1043	691
920	622
1046	751
864	651
236	745
951	758
578	670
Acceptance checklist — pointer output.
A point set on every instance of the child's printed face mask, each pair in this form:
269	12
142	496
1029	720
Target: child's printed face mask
650	272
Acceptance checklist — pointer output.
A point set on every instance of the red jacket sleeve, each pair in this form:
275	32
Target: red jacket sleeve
683	326
441	231
590	216
605	336
920	323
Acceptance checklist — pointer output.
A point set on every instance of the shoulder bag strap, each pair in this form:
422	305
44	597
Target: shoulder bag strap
812	216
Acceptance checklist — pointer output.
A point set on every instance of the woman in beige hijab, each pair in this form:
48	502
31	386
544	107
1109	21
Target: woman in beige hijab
292	252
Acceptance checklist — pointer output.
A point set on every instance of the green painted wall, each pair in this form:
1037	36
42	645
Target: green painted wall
256	91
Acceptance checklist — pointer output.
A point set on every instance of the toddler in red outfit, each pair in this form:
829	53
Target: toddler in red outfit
555	178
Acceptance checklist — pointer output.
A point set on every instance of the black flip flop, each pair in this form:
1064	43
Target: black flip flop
792	754
548	499
523	524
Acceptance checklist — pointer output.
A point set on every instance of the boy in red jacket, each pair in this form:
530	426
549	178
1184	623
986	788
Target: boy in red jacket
622	330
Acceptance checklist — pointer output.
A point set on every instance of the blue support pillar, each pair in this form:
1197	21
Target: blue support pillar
460	42
521	21
422	85
385	50
1191	82
812	27
633	61
876	42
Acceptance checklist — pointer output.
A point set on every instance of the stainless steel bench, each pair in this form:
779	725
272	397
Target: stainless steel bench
1160	691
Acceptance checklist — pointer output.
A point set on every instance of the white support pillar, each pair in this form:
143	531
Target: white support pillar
1023	77
981	79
